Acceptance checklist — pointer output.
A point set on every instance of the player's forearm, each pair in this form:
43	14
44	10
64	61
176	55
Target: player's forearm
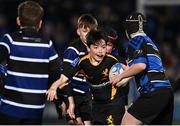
133	70
124	81
55	85
61	81
71	107
71	100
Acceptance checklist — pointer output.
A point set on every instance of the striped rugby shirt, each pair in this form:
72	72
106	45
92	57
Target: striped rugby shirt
31	59
74	51
141	49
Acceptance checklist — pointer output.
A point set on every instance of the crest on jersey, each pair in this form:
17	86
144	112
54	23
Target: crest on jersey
75	62
105	72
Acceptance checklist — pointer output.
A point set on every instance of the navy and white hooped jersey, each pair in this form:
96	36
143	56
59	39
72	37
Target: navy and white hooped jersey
75	51
141	49
30	60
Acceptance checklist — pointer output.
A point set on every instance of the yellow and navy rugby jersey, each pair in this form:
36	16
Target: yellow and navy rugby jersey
97	77
31	59
141	49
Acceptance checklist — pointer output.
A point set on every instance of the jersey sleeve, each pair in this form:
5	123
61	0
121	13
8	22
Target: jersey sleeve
70	62
71	70
137	54
54	64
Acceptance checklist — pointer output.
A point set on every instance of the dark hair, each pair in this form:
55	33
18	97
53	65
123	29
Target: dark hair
87	20
111	33
95	36
30	13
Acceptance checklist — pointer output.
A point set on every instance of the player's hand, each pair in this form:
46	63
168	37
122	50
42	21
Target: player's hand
116	79
71	111
123	82
51	94
124	67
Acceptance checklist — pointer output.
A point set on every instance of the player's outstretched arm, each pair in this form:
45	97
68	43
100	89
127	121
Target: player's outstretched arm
130	72
61	82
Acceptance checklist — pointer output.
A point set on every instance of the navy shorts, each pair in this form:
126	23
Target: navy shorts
109	113
154	108
83	106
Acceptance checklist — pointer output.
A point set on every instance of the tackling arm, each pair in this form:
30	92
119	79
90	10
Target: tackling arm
131	71
61	82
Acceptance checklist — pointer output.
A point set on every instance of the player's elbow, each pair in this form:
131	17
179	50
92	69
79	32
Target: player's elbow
64	78
142	66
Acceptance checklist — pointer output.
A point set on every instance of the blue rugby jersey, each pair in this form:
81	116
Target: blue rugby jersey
30	60
141	49
74	51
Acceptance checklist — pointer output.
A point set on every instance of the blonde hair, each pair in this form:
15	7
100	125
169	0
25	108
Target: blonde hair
87	21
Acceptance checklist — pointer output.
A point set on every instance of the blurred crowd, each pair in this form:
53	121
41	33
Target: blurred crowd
61	17
163	26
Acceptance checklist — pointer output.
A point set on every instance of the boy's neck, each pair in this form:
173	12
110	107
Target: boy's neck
29	27
137	34
93	61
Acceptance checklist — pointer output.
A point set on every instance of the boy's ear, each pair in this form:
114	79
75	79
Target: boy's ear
18	21
78	32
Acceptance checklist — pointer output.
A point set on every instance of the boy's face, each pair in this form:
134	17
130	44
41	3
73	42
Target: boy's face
98	50
109	47
82	32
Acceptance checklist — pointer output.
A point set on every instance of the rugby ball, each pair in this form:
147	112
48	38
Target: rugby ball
115	69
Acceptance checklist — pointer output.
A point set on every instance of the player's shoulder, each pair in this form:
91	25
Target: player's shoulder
85	58
78	46
137	41
111	57
75	43
29	35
